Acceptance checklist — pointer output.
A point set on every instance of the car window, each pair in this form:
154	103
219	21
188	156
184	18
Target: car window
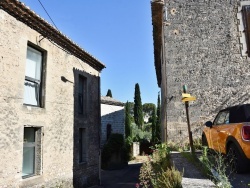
222	118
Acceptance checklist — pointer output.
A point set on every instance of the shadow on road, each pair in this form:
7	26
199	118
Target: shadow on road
240	180
123	178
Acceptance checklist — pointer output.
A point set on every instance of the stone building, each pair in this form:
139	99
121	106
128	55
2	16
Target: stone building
112	118
203	44
50	104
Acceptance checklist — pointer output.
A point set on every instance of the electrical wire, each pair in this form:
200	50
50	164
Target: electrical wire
48	14
58	30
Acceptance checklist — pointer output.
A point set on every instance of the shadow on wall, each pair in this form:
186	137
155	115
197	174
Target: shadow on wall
232	102
86	129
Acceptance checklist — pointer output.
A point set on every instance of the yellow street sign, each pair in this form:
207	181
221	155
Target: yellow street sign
184	95
186	99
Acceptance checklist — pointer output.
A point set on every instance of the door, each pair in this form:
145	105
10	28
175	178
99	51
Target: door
217	135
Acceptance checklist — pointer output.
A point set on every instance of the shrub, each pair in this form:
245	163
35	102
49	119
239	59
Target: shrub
157	171
216	166
117	145
138	134
170	178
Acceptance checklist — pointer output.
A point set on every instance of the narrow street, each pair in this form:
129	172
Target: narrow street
123	178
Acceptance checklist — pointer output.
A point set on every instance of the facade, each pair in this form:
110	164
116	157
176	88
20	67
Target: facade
203	44
112	118
50	104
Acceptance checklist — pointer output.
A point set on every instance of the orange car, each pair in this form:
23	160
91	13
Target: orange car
229	134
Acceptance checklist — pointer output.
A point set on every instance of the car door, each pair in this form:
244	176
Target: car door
216	131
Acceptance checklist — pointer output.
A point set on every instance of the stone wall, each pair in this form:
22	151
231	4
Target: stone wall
113	115
202	50
58	120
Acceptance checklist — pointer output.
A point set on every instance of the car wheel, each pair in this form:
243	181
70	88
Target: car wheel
237	162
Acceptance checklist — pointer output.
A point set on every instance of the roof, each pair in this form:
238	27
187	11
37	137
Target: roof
110	101
239	113
22	13
157	21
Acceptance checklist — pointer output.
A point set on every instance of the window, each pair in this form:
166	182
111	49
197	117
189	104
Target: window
222	118
109	131
31	151
33	77
246	22
82	145
82	94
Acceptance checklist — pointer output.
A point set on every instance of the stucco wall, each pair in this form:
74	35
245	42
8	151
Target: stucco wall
113	115
203	51
57	120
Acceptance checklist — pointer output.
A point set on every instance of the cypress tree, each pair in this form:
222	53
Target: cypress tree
127	120
138	114
158	121
109	94
153	125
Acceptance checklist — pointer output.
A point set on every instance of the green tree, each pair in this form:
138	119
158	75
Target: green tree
109	93
158	121
147	109
153	120
131	111
138	114
127	120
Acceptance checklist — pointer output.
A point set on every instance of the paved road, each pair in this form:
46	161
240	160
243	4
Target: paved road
124	178
240	180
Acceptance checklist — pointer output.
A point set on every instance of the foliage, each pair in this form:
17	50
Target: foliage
148	108
197	144
154	140
109	93
158	121
147	127
138	113
170	178
185	146
131	111
216	165
115	144
127	121
157	171
139	134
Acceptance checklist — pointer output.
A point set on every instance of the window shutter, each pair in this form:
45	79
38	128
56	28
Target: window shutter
246	22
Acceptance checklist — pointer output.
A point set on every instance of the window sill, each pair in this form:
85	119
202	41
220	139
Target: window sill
31	181
30	107
82	163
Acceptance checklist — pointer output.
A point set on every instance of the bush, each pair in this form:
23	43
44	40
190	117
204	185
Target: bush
157	171
170	178
115	145
138	134
216	166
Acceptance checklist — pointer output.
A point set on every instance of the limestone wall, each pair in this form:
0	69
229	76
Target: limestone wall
204	50
113	115
58	120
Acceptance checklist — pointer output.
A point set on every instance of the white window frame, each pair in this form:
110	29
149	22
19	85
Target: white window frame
33	77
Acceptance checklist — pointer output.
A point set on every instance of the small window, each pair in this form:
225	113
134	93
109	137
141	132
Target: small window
109	130
31	151
222	118
82	145
33	77
82	95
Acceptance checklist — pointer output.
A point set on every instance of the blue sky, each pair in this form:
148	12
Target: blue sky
117	33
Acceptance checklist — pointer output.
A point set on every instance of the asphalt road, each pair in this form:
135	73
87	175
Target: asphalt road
240	180
124	178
